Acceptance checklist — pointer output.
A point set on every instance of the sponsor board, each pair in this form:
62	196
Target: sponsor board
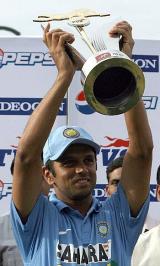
25	58
99	191
5	189
25	106
82	105
148	63
150	103
110	151
114	148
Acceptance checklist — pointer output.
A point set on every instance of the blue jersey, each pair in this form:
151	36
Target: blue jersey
57	235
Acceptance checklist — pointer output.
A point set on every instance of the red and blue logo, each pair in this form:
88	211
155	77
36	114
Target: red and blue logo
1	188
116	142
5	189
82	105
113	148
1	57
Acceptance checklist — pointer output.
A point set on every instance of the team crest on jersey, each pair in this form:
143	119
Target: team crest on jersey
71	133
102	229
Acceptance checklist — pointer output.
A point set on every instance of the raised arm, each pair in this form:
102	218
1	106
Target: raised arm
136	168
28	171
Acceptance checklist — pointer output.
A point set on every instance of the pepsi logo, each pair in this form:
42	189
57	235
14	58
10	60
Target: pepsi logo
82	105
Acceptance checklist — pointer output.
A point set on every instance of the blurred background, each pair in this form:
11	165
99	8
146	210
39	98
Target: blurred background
16	16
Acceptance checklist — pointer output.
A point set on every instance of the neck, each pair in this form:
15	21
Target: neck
81	205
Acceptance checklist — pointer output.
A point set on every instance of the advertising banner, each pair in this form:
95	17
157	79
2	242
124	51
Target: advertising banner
27	72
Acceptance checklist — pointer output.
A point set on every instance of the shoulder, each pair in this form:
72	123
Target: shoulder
152	231
150	223
149	235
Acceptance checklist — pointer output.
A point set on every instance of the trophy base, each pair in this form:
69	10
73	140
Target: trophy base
112	82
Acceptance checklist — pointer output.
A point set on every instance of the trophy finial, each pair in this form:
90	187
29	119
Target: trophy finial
83	13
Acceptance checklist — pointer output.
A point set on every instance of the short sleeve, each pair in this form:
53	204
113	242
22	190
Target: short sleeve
29	234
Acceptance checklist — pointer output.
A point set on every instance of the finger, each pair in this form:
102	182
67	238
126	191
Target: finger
124	25
66	38
56	33
52	36
56	30
45	30
48	32
124	30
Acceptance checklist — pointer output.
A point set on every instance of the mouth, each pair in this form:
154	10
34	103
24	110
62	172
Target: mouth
82	181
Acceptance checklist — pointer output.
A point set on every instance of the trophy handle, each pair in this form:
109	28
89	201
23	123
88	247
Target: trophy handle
75	56
86	39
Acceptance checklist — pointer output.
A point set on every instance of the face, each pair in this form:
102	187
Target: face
158	192
75	173
114	178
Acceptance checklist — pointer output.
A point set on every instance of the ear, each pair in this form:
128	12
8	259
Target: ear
107	193
158	192
48	176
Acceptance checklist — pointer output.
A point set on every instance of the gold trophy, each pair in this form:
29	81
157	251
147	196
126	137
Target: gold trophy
112	82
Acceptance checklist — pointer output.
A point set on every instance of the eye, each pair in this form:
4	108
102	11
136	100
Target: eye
115	182
89	160
68	163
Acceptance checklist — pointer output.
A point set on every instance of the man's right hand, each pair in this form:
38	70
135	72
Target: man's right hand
124	29
64	55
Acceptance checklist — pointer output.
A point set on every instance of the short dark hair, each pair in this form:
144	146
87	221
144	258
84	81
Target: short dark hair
118	162
49	166
158	175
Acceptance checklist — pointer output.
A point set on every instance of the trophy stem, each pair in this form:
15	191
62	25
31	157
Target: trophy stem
85	38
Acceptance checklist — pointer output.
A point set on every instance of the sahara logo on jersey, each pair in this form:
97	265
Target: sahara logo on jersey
98	253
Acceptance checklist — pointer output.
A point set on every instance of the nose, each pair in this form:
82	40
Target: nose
81	168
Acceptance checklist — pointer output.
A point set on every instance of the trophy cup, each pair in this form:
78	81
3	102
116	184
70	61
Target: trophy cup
112	82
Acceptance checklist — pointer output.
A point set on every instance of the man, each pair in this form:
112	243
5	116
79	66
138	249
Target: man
9	254
114	172
75	228
146	251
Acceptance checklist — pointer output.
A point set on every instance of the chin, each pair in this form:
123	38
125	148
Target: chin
81	195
